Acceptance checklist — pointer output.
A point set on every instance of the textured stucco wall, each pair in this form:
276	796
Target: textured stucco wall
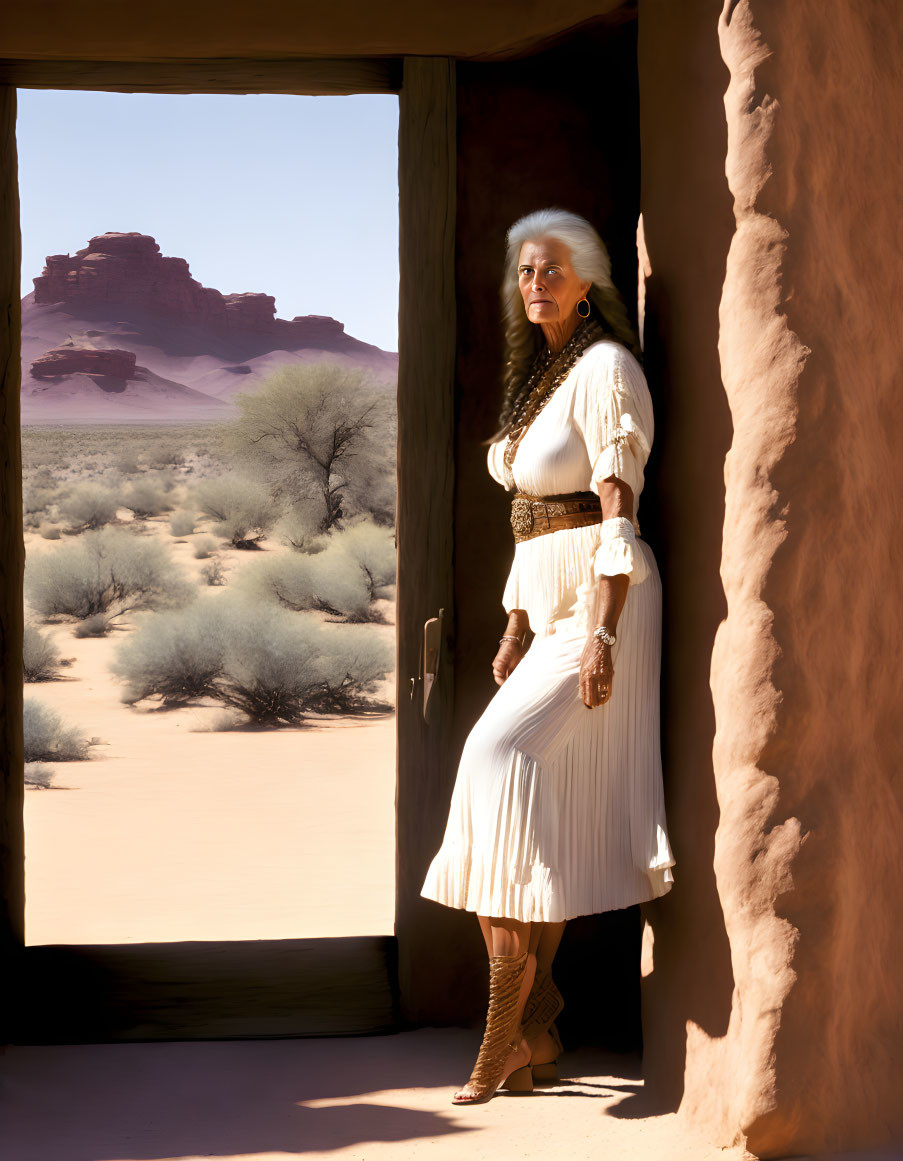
805	681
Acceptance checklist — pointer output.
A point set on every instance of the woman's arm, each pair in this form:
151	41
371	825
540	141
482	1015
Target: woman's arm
511	652
596	669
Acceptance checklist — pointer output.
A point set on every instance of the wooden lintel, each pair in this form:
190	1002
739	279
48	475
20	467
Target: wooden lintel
326	77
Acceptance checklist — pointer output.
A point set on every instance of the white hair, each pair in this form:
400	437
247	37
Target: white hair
591	263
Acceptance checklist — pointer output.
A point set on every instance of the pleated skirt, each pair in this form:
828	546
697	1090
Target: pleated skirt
558	809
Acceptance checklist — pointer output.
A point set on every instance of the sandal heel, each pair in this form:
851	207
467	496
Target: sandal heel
521	1080
545	1073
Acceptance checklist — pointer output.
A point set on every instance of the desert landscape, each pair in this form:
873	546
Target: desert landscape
209	658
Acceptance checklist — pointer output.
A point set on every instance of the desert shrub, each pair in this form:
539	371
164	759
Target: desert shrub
49	532
299	528
97	625
331	581
265	662
146	498
40	655
214	573
373	547
174	655
37	498
39	774
89	506
127	463
165	455
204	545
358	658
182	523
105	571
243	509
279	665
47	739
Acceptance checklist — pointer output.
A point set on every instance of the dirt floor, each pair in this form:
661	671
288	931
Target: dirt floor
346	1099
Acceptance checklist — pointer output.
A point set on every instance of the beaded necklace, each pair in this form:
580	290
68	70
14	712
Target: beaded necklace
549	370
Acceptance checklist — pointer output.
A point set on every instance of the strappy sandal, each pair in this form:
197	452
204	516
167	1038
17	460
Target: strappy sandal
543	1005
502	1035
547	1072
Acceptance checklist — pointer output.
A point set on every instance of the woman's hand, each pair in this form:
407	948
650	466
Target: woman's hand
596	673
506	660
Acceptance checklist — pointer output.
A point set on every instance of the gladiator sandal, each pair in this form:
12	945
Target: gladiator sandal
502	1035
543	1005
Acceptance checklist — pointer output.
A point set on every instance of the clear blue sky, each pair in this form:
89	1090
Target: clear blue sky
292	196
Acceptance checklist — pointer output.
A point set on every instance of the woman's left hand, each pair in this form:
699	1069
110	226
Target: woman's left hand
596	673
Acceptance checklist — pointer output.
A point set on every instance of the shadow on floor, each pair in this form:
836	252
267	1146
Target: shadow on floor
147	1101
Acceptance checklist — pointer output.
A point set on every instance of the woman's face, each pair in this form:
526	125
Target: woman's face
548	284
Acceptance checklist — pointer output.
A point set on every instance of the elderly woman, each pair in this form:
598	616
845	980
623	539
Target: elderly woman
558	808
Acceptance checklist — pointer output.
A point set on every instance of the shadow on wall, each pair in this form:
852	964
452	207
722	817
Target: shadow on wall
688	225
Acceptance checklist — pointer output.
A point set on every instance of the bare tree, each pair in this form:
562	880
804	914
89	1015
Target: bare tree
323	435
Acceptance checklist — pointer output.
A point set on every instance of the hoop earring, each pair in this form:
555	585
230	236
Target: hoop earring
588	308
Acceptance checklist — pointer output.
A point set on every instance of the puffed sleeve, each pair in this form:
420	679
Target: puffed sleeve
614	410
496	463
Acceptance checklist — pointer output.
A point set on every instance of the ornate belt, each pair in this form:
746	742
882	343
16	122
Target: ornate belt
534	515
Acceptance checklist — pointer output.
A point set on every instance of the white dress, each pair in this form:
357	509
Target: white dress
558	809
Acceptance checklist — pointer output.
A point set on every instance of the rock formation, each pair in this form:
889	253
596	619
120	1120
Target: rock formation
129	269
71	360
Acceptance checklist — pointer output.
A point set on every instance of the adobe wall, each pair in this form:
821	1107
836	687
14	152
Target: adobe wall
803	1054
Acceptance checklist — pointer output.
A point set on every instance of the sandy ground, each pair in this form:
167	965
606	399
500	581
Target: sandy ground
350	1100
172	831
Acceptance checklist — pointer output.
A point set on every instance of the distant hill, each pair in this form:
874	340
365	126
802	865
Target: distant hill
193	347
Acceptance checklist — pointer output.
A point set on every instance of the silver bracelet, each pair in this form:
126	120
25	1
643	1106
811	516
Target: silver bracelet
510	637
605	635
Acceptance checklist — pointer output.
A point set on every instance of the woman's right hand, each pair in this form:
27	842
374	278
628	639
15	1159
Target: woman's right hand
506	660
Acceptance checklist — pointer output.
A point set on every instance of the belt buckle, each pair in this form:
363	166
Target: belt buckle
521	518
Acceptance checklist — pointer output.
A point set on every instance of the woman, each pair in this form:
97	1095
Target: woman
558	807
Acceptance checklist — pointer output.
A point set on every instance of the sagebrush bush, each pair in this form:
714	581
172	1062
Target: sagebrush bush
165	455
331	581
373	547
146	498
39	774
182	523
269	664
105	571
97	625
89	506
299	528
40	655
174	656
36	499
243	509
358	659
47	739
214	573
127	463
204	545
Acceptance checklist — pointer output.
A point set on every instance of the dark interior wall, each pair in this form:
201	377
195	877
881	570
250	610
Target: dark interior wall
558	128
688	225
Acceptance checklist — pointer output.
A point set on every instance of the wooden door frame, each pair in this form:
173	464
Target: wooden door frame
275	987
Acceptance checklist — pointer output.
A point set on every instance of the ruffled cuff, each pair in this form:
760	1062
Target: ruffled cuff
618	553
